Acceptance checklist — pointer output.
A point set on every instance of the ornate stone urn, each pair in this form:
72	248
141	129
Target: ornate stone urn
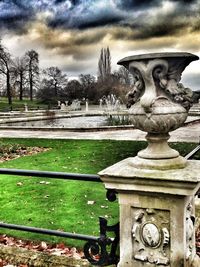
159	104
156	188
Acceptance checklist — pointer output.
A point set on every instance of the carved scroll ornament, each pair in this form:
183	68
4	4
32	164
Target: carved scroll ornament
157	78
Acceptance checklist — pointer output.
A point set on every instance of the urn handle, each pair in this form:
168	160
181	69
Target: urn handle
153	75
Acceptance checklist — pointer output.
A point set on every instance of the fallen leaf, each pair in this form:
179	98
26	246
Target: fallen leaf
1	263
44	182
91	202
61	246
57	252
42	246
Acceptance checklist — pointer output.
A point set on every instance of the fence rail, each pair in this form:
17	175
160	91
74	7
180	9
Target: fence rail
95	249
192	153
48	232
54	175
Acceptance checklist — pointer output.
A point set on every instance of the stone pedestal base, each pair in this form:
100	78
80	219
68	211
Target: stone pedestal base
155	233
158	154
159	164
158	147
156	213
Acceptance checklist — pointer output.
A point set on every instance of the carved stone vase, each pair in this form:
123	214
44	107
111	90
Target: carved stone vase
159	104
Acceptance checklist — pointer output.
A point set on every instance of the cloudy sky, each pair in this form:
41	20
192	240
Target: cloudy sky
70	33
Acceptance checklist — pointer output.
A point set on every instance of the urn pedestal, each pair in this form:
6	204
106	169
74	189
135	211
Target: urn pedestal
156	213
156	188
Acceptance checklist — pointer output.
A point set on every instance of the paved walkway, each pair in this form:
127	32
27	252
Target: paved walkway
190	133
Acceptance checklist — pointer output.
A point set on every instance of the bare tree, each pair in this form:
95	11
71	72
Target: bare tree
104	64
73	90
32	65
56	79
19	74
87	85
124	76
52	86
45	95
5	69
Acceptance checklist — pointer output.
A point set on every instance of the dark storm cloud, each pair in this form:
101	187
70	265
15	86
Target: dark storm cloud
72	2
196	26
188	2
144	31
137	16
102	20
153	31
75	2
144	22
163	21
79	44
13	22
14	15
20	4
86	14
146	4
88	39
163	26
137	4
58	1
86	23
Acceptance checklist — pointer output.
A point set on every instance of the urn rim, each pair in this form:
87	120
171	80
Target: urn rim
189	56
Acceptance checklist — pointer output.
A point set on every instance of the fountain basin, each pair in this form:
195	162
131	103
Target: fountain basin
95	121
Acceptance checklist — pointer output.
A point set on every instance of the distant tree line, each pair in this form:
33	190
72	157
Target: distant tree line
22	77
19	77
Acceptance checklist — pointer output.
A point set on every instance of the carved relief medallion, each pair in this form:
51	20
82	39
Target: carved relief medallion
150	235
151	239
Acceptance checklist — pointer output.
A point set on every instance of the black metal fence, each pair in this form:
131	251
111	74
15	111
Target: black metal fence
101	250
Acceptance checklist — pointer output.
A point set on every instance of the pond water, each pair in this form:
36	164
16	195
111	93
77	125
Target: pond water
75	122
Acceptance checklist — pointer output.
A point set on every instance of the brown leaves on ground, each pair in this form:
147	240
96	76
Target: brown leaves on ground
9	152
198	241
53	249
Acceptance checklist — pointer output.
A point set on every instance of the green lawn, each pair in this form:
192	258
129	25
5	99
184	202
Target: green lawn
19	105
63	204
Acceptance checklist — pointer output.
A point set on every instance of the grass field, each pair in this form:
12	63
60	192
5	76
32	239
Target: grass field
19	105
58	204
